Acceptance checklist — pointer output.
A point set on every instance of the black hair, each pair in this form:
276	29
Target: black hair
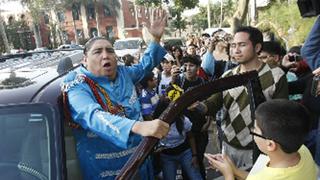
147	77
128	60
272	47
90	42
205	35
255	35
193	45
194	59
217	31
161	106
295	49
286	122
174	48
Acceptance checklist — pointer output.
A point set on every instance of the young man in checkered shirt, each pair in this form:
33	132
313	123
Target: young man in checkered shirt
237	142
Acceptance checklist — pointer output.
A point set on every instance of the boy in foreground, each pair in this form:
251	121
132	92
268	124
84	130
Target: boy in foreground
279	131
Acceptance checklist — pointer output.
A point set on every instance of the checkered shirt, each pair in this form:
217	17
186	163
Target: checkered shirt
236	105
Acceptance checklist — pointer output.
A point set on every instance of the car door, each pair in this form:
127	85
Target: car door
30	142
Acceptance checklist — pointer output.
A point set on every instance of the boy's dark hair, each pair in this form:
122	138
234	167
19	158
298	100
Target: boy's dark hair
255	35
191	59
272	47
286	122
147	77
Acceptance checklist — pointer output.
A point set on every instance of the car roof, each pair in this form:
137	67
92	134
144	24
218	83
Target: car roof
22	79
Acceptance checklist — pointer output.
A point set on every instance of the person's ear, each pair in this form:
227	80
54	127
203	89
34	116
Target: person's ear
271	145
85	60
258	48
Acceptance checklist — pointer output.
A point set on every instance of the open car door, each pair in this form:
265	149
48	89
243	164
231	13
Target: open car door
30	142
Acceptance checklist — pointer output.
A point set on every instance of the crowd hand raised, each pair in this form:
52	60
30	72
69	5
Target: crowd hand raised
155	128
156	28
212	44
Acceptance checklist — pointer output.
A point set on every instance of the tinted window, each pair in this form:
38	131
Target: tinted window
26	150
130	44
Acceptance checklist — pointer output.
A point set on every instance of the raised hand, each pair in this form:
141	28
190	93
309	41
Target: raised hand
156	28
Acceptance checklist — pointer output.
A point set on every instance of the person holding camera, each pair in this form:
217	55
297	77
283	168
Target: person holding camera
186	77
217	59
298	73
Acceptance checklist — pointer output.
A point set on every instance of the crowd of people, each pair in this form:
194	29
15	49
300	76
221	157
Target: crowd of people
115	106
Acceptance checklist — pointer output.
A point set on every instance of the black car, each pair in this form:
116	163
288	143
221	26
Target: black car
35	143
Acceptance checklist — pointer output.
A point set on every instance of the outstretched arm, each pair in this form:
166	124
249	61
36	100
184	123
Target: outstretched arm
155	53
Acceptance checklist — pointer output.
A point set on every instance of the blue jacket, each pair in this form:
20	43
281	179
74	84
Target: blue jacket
208	63
311	48
105	141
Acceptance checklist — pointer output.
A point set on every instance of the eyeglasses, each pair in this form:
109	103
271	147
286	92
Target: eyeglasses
258	135
255	134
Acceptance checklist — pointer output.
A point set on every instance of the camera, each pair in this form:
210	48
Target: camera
309	8
183	69
314	85
295	58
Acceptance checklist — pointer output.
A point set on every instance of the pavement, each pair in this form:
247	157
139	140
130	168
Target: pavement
213	148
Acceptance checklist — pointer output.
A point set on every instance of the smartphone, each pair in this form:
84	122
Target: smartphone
295	58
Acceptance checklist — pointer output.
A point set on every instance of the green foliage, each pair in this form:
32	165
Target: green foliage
178	22
200	21
36	8
285	20
149	3
18	34
178	4
186	4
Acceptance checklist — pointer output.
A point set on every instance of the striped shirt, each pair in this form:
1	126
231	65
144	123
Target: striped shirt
149	101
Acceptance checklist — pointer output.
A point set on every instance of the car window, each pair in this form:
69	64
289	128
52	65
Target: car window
26	136
130	44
